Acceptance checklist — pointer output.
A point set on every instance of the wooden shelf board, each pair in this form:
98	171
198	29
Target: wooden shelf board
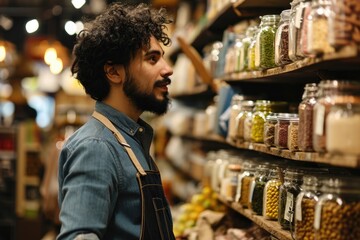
273	227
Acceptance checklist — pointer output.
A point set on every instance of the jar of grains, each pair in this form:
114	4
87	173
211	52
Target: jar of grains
281	129
343	129
246	41
265	43
269	129
344	23
305	207
251	51
257	196
293	131
245	184
337	213
282	40
288	192
318	28
235	108
271	195
229	182
294	28
306	117
331	92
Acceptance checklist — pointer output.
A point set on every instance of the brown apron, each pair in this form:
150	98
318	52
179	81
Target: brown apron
156	222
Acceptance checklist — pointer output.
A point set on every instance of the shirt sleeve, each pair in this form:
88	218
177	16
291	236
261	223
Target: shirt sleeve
89	188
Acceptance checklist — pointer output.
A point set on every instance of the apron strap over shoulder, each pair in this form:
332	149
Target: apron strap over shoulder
121	140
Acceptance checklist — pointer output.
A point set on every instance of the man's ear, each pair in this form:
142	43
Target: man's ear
114	72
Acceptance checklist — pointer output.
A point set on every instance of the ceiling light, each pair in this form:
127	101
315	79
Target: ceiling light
32	26
50	55
79	26
2	53
78	3
70	27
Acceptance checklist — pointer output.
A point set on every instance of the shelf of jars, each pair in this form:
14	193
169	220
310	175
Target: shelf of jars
273	227
230	14
308	69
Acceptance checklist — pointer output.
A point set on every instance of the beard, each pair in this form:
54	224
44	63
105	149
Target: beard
147	101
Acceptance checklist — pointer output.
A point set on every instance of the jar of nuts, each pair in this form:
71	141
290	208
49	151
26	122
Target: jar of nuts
288	192
337	213
305	207
271	195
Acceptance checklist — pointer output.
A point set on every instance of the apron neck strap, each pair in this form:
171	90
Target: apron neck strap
121	140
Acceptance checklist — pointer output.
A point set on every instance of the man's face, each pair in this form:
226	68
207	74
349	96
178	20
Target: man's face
147	78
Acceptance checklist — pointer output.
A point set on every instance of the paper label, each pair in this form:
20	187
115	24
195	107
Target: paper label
251	190
299	15
288	214
298	208
320	120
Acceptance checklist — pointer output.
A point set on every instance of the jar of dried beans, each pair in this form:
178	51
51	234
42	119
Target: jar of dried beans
305	207
269	129
245	184
246	41
271	195
306	117
293	131
282	39
337	213
251	52
257	196
318	28
246	111
265	43
294	29
343	129
281	129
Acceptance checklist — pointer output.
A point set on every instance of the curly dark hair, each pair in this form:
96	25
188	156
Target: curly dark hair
115	37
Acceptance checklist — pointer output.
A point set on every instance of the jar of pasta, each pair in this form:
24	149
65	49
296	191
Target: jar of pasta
337	213
343	129
265	43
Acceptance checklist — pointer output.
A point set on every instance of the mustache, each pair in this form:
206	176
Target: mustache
165	81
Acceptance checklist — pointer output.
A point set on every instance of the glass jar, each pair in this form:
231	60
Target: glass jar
306	117
305	207
244	181
343	129
257	196
331	92
246	110
337	213
293	131
246	41
265	43
281	129
235	108
318	28
342	28
304	51
230	181
271	195
251	52
269	129
237	52
288	192
294	29
282	40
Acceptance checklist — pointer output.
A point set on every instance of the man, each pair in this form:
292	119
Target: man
109	186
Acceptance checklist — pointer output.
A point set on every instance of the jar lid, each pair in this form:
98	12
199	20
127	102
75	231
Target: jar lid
288	116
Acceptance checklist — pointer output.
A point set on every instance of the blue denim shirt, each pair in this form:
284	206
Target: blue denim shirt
99	195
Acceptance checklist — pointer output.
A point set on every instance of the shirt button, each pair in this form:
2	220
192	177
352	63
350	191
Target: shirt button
141	130
131	131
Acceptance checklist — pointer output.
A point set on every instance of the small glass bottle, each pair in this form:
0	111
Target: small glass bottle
343	129
318	28
294	29
305	207
265	43
282	40
271	195
306	117
287	195
337	213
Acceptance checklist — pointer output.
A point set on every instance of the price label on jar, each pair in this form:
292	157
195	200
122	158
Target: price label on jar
288	214
320	120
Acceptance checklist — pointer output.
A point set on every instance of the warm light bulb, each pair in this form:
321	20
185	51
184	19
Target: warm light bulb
32	26
78	3
50	55
2	53
56	66
70	27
